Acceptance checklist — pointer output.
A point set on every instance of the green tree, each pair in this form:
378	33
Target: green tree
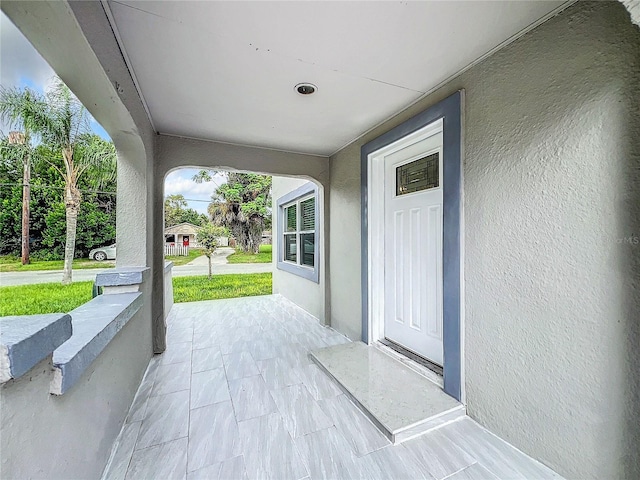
176	212
45	192
96	219
10	203
20	143
242	204
62	123
208	237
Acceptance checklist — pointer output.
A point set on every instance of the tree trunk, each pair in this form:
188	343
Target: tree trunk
209	257
70	245
26	198
72	199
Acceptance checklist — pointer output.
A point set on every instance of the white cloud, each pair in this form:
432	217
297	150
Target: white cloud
22	66
179	183
21	63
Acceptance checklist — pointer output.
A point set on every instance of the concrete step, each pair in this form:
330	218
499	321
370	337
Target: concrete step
402	403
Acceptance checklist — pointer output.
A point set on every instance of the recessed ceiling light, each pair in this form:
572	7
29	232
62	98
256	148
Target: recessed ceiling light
306	88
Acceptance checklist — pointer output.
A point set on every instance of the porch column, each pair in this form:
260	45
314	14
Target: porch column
131	212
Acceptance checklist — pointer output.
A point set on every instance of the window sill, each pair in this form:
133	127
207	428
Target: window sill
309	273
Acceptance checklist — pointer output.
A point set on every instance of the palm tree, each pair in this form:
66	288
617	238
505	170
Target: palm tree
241	205
61	121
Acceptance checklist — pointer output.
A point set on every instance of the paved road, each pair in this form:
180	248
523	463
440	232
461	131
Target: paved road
198	266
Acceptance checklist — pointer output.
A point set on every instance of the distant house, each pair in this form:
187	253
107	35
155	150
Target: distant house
184	234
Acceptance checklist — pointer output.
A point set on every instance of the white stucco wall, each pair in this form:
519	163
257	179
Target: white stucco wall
552	247
70	436
168	289
305	293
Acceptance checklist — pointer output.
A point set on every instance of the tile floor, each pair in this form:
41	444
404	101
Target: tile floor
235	396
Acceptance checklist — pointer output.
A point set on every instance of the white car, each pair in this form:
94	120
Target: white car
103	253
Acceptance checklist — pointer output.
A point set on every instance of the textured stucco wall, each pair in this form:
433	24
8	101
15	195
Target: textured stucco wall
552	247
305	293
70	436
168	289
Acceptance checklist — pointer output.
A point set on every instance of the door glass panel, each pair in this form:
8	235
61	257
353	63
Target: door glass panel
418	175
308	248
290	248
291	218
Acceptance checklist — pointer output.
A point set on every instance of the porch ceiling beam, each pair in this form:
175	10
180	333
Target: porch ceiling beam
175	152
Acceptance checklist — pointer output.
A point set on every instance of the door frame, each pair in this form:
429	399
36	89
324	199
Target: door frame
445	115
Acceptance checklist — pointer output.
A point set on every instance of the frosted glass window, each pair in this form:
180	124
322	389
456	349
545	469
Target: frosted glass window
418	175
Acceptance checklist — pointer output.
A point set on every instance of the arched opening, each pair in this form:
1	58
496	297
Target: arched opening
296	275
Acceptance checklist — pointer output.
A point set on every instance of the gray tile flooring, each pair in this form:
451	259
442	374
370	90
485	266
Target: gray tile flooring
235	396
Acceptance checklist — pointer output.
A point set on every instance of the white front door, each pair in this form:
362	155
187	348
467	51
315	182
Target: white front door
413	247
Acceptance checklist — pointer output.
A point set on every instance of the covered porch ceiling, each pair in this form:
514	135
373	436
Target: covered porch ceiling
226	71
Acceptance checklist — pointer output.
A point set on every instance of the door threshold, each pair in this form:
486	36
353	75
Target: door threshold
414	361
401	402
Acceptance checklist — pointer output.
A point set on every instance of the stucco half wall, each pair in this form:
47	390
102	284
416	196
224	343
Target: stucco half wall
305	293
552	254
71	435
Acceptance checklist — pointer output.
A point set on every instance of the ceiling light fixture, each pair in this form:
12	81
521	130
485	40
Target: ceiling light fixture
306	88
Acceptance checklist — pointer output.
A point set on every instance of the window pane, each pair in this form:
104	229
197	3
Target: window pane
308	241
290	248
308	214
418	175
291	218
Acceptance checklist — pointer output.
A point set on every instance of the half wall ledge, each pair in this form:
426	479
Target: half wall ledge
123	276
25	340
95	324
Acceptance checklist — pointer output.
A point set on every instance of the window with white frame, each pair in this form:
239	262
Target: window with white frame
297	232
300	231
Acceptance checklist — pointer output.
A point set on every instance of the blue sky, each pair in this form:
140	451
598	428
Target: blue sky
197	194
22	66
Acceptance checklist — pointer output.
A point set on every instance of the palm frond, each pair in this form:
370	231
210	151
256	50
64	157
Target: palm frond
26	110
96	158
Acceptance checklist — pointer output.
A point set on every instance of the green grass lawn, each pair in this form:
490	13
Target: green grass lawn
183	260
263	256
54	297
194	289
12	264
43	298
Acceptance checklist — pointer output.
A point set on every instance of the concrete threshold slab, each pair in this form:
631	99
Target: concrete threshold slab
400	402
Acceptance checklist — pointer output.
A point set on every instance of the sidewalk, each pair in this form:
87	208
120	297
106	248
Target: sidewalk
198	266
